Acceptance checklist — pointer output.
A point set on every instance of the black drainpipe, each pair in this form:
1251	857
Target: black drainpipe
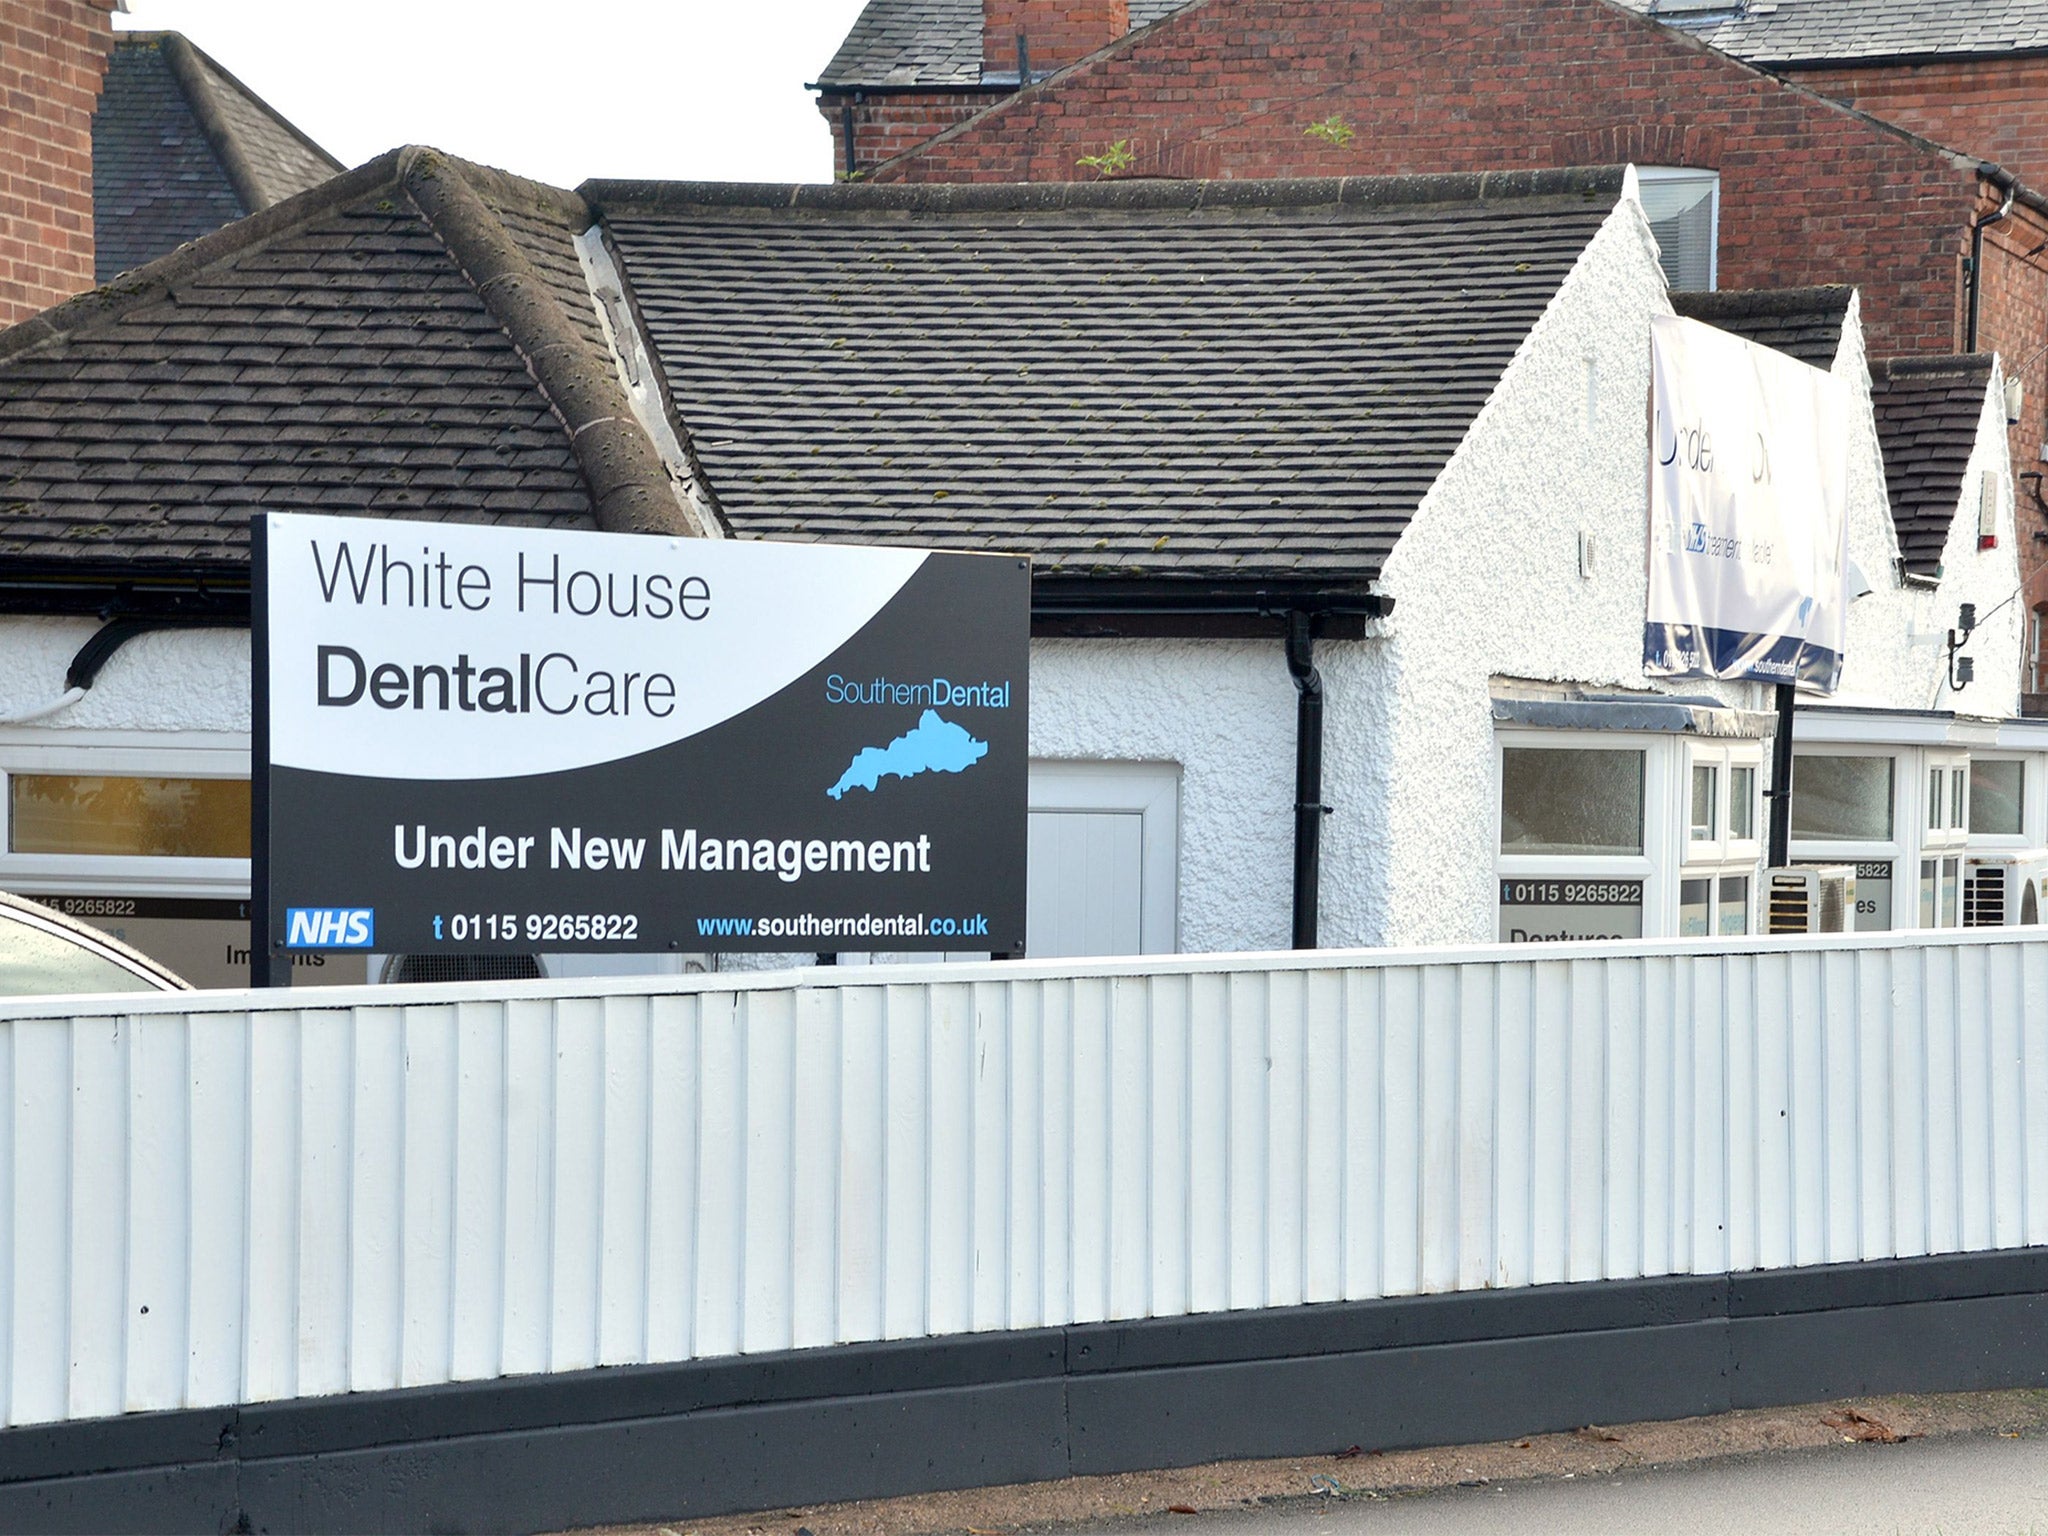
1309	809
847	130
1977	228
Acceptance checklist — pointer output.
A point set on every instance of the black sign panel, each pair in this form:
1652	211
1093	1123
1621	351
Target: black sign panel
486	741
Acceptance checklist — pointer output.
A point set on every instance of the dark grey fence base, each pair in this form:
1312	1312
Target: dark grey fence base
863	1421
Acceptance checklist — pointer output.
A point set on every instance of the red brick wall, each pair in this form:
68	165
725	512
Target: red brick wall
1810	192
887	126
53	54
1060	32
2013	322
1995	109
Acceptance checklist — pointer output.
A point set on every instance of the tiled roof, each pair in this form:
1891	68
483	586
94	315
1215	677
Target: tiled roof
1233	379
1928	411
382	345
1790	32
934	43
1803	322
180	148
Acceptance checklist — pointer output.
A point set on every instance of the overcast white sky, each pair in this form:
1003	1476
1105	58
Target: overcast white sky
677	89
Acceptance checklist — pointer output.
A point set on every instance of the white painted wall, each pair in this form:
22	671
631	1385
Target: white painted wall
239	1197
1486	584
1896	658
167	680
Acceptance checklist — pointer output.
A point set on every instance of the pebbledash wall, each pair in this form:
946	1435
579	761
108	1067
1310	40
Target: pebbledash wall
1488	586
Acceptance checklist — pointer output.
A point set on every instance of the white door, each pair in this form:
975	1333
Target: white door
1104	859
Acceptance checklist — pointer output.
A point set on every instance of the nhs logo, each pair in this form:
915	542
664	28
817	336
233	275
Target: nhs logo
330	927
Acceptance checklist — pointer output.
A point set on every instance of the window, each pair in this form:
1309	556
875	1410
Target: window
1842	799
1941	885
1683	206
1742	803
65	813
1998	796
1571	801
1706	794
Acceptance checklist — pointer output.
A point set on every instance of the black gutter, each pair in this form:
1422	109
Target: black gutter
1309	809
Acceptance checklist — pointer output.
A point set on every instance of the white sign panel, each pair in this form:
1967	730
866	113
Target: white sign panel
1749	472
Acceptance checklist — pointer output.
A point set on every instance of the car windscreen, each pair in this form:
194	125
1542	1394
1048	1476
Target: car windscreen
34	962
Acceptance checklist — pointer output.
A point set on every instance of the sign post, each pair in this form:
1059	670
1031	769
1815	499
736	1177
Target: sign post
488	741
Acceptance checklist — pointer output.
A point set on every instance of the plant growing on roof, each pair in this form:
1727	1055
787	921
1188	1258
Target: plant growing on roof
1331	130
1113	161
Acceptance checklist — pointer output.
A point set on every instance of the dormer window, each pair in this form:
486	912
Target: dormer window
1684	208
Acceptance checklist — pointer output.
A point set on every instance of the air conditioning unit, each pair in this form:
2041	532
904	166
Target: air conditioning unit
1818	898
2029	892
2005	890
1989	900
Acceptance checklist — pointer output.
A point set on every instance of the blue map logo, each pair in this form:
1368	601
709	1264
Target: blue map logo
932	746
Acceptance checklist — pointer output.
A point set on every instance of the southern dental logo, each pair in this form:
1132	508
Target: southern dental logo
941	692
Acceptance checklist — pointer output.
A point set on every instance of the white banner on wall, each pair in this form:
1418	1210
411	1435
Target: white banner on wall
1749	471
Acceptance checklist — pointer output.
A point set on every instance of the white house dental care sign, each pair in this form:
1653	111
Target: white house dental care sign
1749	474
481	740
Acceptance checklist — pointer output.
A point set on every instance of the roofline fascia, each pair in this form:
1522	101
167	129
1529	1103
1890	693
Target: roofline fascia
112	588
977	88
1055	592
609	198
1892	60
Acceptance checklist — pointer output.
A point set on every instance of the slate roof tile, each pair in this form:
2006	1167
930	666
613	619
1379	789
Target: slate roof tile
142	423
1928	411
1792	32
1269	388
1805	323
169	134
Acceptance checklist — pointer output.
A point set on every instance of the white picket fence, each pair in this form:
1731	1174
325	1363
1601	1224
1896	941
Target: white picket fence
230	1198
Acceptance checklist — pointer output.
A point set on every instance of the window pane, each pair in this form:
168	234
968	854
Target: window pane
76	813
1934	822
1842	798
1734	913
1951	893
1927	882
1956	803
1566	800
1705	781
1692	909
1742	802
1997	791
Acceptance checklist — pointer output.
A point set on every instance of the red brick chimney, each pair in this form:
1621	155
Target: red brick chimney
53	56
1056	32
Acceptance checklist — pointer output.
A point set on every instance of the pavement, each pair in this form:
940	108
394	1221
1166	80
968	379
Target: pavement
1955	1463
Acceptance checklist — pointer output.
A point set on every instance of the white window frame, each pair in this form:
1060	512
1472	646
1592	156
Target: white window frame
1722	855
1901	850
1650	866
1651	174
2030	770
179	755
